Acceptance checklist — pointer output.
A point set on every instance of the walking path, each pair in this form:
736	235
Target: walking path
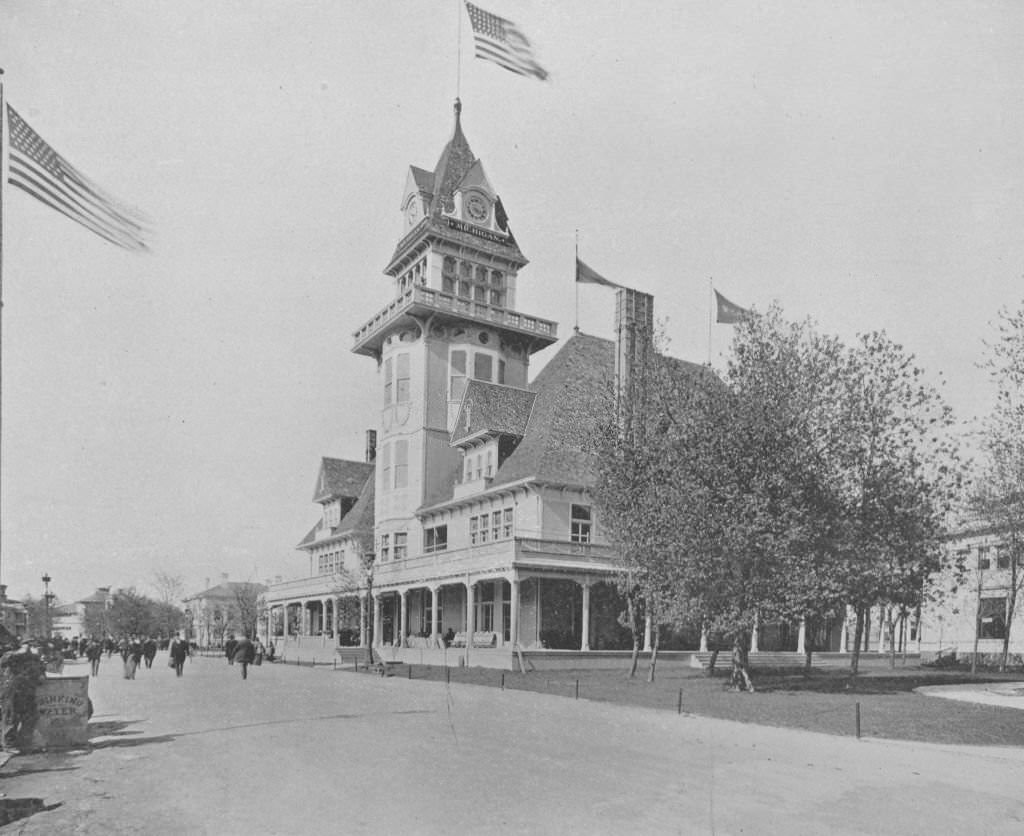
1004	694
295	750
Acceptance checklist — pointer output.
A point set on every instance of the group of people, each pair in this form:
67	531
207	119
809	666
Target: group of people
245	652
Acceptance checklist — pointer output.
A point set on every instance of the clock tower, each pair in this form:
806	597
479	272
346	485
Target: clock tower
451	318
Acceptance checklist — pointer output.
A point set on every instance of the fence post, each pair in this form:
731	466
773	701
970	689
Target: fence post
679	705
447	674
857	714
503	680
577	689
410	671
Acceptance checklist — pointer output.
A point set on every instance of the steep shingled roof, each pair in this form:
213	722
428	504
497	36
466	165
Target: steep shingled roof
456	159
491	407
358	520
574	392
340	478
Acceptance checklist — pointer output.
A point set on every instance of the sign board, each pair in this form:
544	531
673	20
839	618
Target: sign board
63	706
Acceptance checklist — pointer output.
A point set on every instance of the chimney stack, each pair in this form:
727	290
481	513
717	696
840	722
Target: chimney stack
371	446
634	335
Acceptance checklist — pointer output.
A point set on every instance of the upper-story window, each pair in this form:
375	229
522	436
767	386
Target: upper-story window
401	463
435	539
984	561
473	281
401	544
385	467
580	525
456	374
402	378
396	379
385	548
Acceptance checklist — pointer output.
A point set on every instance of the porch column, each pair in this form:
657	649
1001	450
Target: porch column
304	621
801	637
513	628
435	621
703	639
647	634
363	623
323	616
843	636
470	613
400	640
753	634
377	621
585	644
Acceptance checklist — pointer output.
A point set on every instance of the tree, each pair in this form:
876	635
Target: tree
804	477
170	588
998	494
246	609
131	614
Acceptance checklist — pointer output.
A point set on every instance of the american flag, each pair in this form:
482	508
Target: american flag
504	43
39	170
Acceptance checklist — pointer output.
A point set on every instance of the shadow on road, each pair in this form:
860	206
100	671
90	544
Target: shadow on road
13	809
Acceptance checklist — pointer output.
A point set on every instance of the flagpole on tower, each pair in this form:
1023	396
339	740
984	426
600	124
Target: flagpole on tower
3	217
576	327
458	52
711	313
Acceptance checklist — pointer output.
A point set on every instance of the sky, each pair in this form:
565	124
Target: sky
858	163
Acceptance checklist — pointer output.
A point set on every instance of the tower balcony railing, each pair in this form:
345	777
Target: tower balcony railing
425	300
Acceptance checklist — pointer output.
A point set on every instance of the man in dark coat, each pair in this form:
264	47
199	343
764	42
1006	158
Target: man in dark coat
229	648
179	653
245	652
94	652
149	651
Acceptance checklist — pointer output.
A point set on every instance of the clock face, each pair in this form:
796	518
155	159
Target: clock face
412	212
477	208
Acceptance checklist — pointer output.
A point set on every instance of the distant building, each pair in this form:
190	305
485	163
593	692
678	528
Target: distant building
976	604
13	614
218	611
83	617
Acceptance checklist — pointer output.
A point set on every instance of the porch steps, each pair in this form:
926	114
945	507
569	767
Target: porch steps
781	660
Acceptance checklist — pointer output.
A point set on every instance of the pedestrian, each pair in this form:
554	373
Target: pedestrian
245	652
179	652
259	650
149	651
229	648
132	658
94	652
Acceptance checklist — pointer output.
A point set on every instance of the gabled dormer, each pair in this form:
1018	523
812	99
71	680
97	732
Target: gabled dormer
338	486
492	420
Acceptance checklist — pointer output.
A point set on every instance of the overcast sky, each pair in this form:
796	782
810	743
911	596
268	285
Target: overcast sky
859	163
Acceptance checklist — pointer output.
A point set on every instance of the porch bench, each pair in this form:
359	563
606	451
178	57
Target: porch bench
481	638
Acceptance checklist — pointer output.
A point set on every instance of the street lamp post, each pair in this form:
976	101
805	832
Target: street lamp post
47	598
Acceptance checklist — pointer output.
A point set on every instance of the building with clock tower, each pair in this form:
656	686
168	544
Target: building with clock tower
474	495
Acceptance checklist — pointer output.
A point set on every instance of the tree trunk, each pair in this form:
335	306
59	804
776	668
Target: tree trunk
890	630
655	641
740	663
858	632
634	630
977	629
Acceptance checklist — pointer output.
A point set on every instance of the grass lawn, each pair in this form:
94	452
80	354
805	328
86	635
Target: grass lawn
823	701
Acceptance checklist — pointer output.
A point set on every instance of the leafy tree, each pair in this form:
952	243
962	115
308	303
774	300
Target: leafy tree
245	611
131	613
808	475
998	493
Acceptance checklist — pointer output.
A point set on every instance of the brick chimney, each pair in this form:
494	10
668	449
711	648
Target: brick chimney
634	336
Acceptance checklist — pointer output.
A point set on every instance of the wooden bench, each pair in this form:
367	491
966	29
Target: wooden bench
774	660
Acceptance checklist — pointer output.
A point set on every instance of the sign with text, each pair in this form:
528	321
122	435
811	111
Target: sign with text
62	703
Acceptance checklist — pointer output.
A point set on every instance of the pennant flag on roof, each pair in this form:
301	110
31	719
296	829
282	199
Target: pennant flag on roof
37	169
587	275
502	42
728	312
